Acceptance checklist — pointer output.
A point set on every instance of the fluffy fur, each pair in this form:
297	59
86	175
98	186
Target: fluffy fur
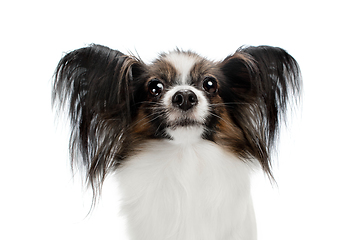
181	133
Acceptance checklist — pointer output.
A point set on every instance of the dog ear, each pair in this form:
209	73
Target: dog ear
94	85
263	80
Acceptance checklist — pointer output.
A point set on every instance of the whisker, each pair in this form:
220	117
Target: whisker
146	118
228	103
148	103
219	117
158	128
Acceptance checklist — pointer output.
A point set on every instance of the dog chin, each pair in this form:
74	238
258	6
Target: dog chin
185	123
186	132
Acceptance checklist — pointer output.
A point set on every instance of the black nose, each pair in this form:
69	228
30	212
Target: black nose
184	99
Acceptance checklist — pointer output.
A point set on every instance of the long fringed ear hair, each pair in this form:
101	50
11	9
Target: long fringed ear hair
260	84
94	84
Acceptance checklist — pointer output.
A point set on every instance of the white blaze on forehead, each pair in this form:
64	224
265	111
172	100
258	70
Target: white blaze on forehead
183	63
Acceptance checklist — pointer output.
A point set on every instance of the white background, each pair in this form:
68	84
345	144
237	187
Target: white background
317	169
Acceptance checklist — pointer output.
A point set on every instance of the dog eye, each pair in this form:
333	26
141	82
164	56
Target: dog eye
155	87
210	85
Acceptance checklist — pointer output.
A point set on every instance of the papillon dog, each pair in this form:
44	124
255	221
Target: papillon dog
181	134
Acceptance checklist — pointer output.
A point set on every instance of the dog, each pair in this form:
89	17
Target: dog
182	134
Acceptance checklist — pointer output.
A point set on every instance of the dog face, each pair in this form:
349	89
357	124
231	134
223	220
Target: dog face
182	95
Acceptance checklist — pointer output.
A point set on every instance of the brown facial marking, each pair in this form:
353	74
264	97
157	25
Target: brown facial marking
162	70
228	134
141	124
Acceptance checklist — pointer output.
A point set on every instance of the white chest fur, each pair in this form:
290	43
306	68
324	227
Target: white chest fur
193	191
